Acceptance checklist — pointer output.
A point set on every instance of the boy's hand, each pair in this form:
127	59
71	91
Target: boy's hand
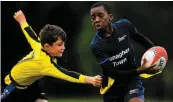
95	81
148	70
20	17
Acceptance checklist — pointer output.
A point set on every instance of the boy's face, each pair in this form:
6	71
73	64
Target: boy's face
57	48
100	17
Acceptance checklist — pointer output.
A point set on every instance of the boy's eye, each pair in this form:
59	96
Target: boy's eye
92	17
60	44
101	15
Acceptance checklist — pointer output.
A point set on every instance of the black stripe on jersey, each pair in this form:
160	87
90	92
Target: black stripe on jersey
45	52
65	71
31	33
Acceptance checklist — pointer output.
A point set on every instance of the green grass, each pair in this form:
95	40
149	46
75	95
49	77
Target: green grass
74	100
89	99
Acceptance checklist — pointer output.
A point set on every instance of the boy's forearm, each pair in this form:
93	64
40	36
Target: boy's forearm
24	25
85	79
88	80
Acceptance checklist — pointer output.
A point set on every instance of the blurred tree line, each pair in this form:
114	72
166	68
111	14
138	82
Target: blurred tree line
152	19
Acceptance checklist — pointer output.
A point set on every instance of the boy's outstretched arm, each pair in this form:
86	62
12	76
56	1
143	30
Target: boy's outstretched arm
72	76
30	35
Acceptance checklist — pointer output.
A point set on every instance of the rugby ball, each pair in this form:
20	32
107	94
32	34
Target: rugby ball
155	55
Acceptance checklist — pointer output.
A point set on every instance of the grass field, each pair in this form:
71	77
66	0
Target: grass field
88	99
74	100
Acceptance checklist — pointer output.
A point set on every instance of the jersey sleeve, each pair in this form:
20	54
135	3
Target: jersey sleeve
106	65
138	37
30	35
61	73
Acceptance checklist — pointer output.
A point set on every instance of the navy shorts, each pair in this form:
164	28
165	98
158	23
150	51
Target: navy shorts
29	94
124	94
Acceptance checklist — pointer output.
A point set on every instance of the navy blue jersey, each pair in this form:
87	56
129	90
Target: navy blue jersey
115	53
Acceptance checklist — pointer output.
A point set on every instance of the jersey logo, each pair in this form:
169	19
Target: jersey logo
133	91
121	38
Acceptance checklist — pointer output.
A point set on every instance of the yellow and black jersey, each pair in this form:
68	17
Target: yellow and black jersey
37	64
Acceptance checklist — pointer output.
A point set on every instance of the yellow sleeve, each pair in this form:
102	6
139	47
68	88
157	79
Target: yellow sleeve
63	74
30	35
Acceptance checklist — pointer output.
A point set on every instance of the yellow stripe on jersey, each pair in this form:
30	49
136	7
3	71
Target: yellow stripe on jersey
111	81
105	89
149	75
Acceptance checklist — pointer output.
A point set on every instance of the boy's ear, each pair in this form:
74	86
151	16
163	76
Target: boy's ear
46	46
111	17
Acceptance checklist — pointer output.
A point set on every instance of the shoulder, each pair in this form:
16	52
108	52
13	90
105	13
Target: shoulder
94	41
43	55
122	23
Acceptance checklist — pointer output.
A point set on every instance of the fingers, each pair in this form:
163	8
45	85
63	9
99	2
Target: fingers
97	85
98	76
17	13
20	17
153	70
144	61
152	66
98	81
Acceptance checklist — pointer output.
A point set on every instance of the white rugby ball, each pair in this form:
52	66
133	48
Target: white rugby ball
155	55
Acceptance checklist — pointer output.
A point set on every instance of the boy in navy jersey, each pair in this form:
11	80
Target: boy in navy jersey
113	50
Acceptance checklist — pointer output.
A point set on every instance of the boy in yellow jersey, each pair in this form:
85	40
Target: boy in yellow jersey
42	60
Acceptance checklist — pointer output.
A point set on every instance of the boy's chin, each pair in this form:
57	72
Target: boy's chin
101	29
59	55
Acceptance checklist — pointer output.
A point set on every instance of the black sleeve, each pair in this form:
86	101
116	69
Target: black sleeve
107	66
65	71
142	40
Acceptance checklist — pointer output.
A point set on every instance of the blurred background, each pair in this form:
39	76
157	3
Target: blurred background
152	19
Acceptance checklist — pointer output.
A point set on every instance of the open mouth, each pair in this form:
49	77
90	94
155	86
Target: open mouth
98	26
61	52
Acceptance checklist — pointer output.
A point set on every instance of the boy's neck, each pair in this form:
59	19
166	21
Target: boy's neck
109	31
